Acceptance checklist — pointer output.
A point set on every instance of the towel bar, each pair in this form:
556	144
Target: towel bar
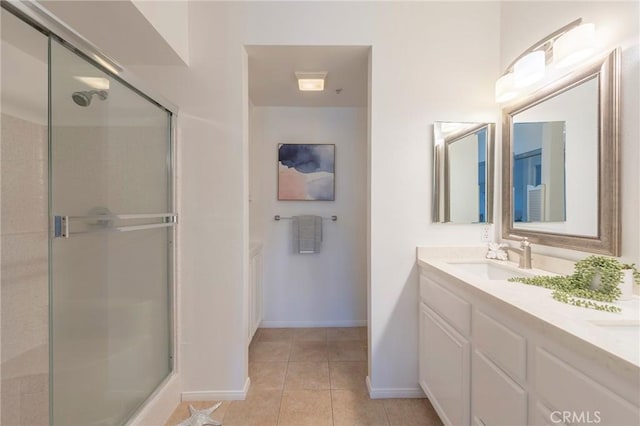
278	217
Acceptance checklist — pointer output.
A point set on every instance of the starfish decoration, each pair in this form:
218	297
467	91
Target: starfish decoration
201	417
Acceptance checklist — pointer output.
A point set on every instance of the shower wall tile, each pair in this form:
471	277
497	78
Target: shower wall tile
24	187
24	366
10	403
25	400
25	298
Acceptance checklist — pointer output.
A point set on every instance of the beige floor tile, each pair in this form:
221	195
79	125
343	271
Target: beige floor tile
270	351
347	333
309	351
310	334
305	408
348	375
414	412
347	350
267	375
259	409
182	411
274	334
355	408
307	375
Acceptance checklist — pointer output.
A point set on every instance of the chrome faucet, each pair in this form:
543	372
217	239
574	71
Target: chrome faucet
524	252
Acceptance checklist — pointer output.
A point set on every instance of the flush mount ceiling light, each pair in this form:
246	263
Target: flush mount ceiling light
568	45
311	81
97	83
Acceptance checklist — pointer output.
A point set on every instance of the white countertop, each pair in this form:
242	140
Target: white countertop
539	305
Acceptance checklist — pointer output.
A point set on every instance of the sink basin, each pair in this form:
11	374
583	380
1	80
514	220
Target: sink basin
490	270
625	328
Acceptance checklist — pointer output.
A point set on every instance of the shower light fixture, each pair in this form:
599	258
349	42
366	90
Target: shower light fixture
567	46
310	81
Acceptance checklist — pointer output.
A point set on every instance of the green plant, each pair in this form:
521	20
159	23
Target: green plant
576	289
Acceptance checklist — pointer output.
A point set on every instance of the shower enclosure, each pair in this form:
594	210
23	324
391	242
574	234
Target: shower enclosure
87	229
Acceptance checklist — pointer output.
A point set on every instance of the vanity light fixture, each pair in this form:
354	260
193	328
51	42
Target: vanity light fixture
505	88
566	46
574	45
310	81
529	69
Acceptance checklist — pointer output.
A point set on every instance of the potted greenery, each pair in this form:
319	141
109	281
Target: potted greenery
595	279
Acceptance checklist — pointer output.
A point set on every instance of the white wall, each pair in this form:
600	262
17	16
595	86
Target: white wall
617	24
407	46
171	20
329	288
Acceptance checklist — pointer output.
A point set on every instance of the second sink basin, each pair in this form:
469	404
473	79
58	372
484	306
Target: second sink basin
487	270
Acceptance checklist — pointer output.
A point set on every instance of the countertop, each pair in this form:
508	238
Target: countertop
621	345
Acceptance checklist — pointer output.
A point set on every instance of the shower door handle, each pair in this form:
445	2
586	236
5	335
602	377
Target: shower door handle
61	224
61	227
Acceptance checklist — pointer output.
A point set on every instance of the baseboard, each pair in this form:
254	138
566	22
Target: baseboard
217	395
313	324
160	405
384	393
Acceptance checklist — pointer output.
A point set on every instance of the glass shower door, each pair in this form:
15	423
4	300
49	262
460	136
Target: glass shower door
110	254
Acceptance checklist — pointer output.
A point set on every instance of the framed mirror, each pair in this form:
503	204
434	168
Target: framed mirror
463	172
560	162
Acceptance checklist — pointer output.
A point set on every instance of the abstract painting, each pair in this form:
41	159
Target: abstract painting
306	172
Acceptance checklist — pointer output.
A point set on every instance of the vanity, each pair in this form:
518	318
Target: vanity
494	352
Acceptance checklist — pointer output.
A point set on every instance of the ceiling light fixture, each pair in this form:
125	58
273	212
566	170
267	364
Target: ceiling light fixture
310	81
568	45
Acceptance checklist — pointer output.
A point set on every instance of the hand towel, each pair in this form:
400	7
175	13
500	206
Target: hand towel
307	233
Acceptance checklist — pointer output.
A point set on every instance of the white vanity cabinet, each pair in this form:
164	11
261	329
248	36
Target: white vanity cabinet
445	366
483	362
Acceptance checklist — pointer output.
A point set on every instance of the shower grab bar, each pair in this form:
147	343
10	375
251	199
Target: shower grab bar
61	223
278	217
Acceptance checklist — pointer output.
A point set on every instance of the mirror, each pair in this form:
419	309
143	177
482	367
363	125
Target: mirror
560	148
463	172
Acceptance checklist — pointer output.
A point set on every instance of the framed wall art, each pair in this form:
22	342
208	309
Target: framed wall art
306	172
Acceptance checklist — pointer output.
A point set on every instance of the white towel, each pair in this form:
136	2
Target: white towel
307	234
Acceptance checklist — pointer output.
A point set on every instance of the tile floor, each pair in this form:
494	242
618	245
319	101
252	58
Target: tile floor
312	377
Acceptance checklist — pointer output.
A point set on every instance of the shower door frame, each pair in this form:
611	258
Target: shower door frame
41	20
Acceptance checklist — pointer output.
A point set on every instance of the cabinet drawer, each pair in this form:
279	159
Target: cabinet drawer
500	344
496	399
452	308
570	390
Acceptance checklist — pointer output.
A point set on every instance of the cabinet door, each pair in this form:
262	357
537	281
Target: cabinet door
257	291
252	297
496	399
444	368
